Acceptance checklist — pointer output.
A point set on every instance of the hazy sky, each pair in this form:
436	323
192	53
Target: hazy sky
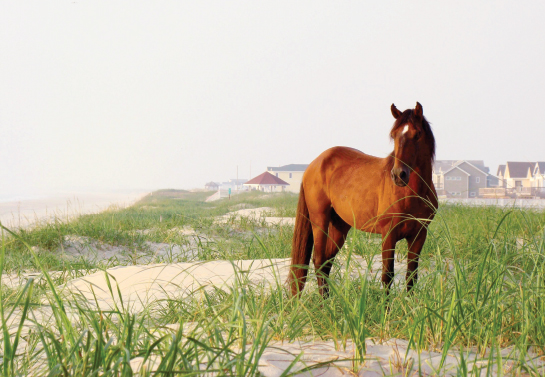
114	95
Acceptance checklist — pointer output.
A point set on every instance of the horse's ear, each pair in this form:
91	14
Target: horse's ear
395	112
418	111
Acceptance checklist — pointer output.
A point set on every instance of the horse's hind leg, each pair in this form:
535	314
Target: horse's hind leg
320	224
338	229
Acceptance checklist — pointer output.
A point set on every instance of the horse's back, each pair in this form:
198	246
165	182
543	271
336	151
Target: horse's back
332	162
339	157
343	178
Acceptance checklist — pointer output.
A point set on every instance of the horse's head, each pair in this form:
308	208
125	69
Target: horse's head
414	143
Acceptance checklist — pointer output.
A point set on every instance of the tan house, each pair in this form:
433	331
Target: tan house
538	176
460	178
292	174
518	174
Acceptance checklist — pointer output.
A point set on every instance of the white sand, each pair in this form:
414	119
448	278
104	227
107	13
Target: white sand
262	214
142	285
64	206
392	357
383	358
145	285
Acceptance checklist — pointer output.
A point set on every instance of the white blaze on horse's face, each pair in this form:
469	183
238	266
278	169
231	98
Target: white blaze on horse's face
401	171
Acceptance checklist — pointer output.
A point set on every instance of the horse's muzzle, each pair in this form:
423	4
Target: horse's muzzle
400	176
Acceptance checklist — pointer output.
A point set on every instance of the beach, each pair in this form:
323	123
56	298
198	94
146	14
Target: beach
29	211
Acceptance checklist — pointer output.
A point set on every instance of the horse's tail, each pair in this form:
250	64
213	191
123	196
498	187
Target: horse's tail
301	246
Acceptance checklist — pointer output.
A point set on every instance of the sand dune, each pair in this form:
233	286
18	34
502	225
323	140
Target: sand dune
142	286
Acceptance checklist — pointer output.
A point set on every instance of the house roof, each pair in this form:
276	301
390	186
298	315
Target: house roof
267	179
211	184
445	166
501	170
483	169
456	167
479	164
290	167
541	165
519	169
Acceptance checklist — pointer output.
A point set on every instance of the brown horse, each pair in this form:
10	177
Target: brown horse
392	196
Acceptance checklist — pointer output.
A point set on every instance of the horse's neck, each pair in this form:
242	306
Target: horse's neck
424	171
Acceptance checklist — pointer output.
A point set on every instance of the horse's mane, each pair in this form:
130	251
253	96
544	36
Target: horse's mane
408	116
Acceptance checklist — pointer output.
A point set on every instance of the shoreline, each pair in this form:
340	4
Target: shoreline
29	212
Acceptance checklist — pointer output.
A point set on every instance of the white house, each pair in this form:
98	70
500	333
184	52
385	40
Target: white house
233	184
501	175
267	182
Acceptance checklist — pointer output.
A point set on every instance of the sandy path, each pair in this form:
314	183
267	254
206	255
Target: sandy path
261	214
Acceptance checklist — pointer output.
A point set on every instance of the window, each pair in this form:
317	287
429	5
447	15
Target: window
478	180
458	178
277	174
290	175
472	193
448	178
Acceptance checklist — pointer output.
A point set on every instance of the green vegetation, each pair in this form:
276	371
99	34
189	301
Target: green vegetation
481	287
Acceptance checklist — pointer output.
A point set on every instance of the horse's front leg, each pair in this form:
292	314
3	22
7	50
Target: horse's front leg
415	247
388	253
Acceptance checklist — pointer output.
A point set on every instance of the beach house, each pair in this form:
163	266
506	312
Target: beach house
267	182
460	178
292	174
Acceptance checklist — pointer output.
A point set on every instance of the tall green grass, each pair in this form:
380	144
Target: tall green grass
481	288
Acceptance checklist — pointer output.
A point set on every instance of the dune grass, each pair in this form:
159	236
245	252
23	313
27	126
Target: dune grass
481	288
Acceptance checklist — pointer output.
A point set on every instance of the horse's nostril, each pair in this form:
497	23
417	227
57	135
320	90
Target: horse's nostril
402	174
